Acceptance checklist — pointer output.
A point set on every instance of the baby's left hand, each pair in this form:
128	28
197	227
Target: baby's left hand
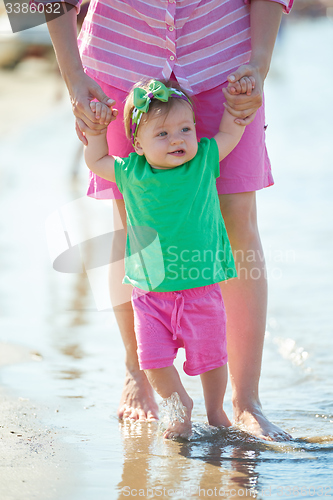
243	86
103	113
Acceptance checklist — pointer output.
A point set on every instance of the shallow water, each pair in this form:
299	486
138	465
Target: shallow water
77	370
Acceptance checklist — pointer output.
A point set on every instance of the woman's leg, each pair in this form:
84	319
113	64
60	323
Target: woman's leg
166	381
214	383
137	400
245	300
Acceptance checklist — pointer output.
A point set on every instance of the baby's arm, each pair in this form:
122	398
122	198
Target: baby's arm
229	134
97	157
96	153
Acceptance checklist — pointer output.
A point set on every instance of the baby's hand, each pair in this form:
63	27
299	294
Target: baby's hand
104	114
243	86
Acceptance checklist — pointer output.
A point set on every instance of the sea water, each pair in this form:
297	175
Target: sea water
78	380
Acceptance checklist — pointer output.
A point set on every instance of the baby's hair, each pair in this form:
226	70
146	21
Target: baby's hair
156	106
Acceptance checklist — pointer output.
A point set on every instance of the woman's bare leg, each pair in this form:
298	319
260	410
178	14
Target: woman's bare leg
137	400
245	300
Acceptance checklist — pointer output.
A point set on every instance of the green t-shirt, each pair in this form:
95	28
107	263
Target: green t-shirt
176	234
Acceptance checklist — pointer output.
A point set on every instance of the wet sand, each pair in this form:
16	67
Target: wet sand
34	462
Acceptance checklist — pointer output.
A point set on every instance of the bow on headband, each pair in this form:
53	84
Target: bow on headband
142	99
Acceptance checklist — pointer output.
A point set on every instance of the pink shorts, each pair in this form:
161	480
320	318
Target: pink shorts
246	168
194	319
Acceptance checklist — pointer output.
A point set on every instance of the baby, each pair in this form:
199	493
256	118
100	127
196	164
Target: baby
177	247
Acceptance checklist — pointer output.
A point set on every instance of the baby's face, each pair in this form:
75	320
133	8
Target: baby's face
168	141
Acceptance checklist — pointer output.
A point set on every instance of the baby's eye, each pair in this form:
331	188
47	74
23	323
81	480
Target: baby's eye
185	129
162	134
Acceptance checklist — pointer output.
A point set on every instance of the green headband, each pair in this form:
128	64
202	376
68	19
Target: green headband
142	99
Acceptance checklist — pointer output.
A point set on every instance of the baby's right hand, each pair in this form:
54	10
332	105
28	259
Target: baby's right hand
243	86
103	112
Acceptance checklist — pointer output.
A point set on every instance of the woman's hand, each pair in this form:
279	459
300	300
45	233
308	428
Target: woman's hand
83	90
244	106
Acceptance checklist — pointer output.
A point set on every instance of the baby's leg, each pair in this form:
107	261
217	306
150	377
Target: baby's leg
166	381
214	383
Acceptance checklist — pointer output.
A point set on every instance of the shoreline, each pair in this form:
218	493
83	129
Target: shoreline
34	460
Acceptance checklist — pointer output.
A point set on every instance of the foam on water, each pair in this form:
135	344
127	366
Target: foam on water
172	410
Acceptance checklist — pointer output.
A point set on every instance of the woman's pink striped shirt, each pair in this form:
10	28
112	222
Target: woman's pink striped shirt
200	41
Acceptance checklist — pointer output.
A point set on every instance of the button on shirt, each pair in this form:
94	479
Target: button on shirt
200	41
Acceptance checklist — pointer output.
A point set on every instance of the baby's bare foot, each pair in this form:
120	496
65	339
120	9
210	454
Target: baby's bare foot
179	415
179	429
219	419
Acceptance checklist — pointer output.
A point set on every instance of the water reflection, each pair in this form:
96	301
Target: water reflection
183	469
220	463
138	439
73	350
69	374
78	303
231	470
